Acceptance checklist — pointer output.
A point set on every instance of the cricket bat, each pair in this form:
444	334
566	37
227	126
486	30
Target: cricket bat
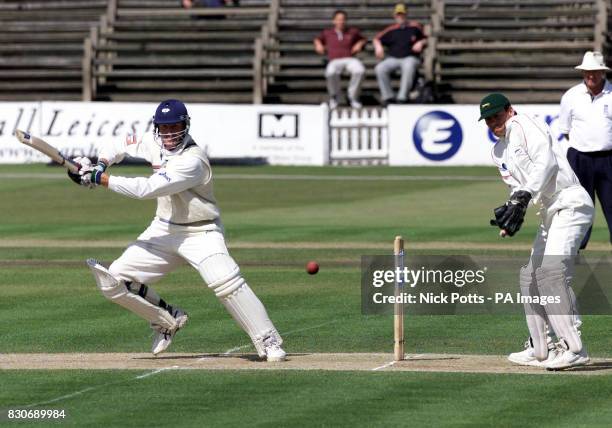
47	149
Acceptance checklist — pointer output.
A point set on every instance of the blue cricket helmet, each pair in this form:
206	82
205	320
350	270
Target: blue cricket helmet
169	112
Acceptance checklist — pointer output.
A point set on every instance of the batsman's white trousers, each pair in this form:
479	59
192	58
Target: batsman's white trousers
162	247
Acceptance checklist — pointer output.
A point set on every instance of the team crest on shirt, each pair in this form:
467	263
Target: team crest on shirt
130	139
164	175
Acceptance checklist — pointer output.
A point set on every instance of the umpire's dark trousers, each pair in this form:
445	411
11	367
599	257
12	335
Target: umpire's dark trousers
594	170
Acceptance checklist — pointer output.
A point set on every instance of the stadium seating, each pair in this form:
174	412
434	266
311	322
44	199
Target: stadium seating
262	51
154	49
525	48
42	45
293	72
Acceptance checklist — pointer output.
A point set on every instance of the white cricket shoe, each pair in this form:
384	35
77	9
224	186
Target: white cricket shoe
333	104
528	358
566	358
274	353
356	104
163	336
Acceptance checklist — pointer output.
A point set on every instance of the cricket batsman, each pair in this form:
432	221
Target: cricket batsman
535	168
186	228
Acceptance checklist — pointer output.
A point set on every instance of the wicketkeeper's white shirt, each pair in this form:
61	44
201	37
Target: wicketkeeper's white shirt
528	159
587	119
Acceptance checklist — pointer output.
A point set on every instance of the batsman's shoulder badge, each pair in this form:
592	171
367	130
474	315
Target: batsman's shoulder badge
131	139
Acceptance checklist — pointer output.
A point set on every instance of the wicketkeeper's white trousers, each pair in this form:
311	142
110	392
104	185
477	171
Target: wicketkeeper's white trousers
564	223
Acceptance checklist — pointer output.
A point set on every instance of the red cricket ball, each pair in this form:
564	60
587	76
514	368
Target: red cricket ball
312	267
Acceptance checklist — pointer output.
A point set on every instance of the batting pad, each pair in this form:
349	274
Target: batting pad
222	274
552	281
116	291
535	315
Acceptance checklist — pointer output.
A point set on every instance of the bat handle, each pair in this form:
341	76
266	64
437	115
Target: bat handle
71	165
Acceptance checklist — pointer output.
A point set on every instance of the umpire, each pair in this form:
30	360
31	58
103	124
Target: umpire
586	121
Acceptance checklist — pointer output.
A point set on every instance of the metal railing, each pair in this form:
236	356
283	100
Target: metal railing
261	70
437	22
601	25
91	45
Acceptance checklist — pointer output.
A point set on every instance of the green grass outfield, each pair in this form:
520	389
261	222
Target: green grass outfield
276	220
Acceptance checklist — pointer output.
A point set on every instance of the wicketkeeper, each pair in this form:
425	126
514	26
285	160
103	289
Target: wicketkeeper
534	165
186	228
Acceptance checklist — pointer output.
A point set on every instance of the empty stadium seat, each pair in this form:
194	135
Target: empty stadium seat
42	47
160	50
524	48
140	50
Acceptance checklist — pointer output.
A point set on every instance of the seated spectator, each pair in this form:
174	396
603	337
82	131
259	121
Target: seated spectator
404	41
341	43
188	4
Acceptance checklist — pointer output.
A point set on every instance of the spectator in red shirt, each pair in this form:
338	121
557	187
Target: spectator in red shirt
404	41
341	43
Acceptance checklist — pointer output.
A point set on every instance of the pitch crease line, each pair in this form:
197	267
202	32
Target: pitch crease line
63	397
288	333
156	371
93	388
384	366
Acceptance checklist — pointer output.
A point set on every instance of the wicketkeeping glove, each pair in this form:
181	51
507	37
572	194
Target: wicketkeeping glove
498	213
511	218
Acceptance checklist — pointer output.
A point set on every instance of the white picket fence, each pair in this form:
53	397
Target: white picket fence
358	136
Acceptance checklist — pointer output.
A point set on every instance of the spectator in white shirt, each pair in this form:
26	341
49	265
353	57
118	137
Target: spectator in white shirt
586	121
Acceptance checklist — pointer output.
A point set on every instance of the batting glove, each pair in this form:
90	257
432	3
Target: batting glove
88	175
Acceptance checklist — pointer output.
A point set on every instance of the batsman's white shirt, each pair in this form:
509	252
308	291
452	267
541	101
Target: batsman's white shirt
182	183
186	227
528	158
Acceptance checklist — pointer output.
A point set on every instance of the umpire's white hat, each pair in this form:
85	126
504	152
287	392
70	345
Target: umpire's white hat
592	61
